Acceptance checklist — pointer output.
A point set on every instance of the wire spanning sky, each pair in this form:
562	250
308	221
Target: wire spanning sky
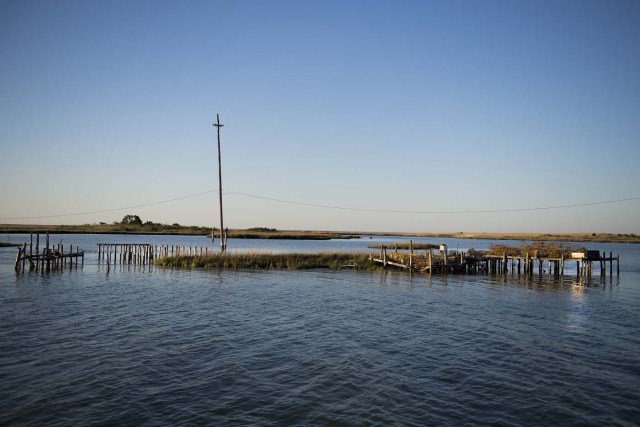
432	107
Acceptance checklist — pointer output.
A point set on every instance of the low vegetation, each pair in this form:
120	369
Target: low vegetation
9	244
547	237
272	261
289	235
133	224
405	246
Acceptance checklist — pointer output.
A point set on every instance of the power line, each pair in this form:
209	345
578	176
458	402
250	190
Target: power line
114	209
347	208
575	205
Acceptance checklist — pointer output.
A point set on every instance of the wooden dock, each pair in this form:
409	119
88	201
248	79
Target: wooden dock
51	257
474	262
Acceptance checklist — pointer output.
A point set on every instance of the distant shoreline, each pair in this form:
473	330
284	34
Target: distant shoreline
536	237
309	235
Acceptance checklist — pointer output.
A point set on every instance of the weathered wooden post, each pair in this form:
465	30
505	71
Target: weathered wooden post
578	267
618	265
611	264
410	254
37	251
16	267
48	254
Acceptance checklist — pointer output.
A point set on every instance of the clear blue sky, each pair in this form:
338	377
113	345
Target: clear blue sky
377	105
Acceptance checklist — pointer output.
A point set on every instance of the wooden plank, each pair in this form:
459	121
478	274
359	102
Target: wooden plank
17	265
38	251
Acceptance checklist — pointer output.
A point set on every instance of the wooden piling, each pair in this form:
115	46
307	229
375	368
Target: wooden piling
16	267
37	251
410	254
610	264
48	254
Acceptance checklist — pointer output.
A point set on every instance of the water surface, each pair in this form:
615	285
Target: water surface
161	346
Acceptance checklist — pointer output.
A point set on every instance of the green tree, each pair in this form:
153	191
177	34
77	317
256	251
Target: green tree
131	220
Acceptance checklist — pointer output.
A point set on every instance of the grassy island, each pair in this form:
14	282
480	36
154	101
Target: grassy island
271	261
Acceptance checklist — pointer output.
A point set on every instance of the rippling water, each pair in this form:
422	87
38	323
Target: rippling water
140	346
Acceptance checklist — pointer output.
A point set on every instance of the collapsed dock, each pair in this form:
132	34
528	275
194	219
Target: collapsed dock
51	257
500	259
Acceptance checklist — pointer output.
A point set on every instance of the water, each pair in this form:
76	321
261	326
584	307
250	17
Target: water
176	347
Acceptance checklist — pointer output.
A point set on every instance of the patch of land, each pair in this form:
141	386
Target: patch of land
404	246
9	245
560	237
269	233
174	229
105	229
271	261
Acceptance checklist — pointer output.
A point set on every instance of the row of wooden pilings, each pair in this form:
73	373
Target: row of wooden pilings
52	257
144	253
555	266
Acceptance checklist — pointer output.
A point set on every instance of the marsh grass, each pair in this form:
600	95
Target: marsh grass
272	261
405	246
9	245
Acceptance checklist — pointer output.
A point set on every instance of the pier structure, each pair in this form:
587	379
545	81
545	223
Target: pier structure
473	261
50	257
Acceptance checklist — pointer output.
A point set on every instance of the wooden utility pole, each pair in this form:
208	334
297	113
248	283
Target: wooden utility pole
223	245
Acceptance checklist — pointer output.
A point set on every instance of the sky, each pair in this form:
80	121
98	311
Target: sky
408	116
